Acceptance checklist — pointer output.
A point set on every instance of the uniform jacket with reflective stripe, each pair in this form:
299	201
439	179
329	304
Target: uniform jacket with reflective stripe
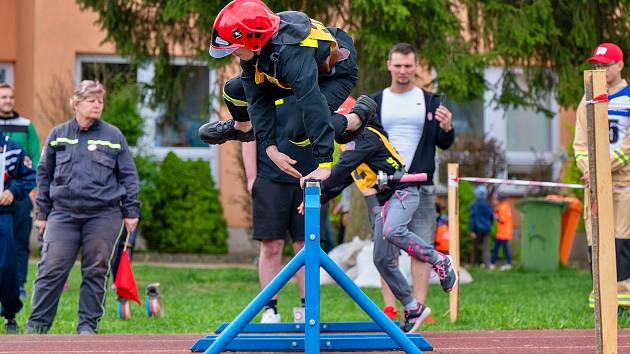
20	179
619	99
284	59
360	161
86	171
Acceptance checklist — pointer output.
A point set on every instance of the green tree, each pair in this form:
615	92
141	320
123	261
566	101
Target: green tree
550	39
121	110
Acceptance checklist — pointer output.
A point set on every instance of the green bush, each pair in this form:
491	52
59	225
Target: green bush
149	194
181	212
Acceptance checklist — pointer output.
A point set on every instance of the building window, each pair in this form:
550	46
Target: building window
190	110
110	74
467	117
165	129
6	73
531	139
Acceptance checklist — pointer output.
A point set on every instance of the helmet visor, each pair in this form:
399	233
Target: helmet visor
219	47
221	52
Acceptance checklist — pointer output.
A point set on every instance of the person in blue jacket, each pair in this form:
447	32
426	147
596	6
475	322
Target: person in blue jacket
480	223
18	181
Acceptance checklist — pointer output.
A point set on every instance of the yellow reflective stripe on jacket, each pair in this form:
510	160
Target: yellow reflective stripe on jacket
260	77
621	156
318	32
302	143
279	102
364	177
325	164
65	141
581	155
109	144
234	101
389	147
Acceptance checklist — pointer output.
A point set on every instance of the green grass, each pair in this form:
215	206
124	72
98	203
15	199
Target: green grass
198	300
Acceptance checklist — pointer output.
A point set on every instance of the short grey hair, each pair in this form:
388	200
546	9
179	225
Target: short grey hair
85	89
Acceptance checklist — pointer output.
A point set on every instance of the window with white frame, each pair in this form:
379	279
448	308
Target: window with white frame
165	131
180	126
531	140
6	73
467	117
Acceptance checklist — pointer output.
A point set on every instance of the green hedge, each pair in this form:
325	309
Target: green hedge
181	212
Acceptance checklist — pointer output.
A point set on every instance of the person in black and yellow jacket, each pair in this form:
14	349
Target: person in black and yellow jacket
286	54
390	211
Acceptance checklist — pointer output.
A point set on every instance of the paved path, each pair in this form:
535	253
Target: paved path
460	342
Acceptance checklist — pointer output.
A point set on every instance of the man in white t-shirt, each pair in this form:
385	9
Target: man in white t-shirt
417	122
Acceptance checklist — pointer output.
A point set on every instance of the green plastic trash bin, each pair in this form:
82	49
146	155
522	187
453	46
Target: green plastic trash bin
540	233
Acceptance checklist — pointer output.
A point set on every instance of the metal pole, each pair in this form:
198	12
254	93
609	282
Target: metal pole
312	247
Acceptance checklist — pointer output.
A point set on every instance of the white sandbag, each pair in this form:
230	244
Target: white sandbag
368	276
345	256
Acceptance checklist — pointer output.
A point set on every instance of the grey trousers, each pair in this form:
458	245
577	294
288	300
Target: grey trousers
65	234
392	234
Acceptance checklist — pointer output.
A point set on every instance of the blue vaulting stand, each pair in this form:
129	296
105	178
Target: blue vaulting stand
312	341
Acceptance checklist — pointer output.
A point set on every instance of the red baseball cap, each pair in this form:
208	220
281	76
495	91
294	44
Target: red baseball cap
606	53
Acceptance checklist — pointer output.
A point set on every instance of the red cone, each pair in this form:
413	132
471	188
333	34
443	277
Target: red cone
125	282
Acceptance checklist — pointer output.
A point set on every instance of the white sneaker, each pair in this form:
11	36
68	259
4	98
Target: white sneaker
298	314
269	316
505	267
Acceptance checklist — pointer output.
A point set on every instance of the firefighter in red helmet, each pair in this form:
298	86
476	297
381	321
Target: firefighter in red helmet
283	54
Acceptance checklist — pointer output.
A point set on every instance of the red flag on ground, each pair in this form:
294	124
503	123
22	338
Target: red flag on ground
125	282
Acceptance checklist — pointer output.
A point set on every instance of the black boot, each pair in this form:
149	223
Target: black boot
218	132
365	108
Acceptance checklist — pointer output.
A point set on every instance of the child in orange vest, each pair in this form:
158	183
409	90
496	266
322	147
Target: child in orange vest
503	213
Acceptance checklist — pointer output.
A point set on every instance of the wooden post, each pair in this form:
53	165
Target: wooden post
601	213
453	234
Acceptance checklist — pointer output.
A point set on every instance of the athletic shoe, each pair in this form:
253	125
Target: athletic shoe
218	132
505	267
446	273
35	330
414	318
298	314
391	312
365	107
86	331
270	316
11	326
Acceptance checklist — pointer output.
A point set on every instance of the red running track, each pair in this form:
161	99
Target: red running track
460	342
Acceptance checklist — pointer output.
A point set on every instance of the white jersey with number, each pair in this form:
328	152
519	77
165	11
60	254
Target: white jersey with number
618	112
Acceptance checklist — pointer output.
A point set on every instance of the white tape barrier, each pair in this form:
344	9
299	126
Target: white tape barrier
518	182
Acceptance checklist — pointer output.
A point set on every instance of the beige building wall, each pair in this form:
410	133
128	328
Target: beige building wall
42	39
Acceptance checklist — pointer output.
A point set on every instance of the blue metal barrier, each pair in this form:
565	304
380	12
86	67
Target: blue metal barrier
312	342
